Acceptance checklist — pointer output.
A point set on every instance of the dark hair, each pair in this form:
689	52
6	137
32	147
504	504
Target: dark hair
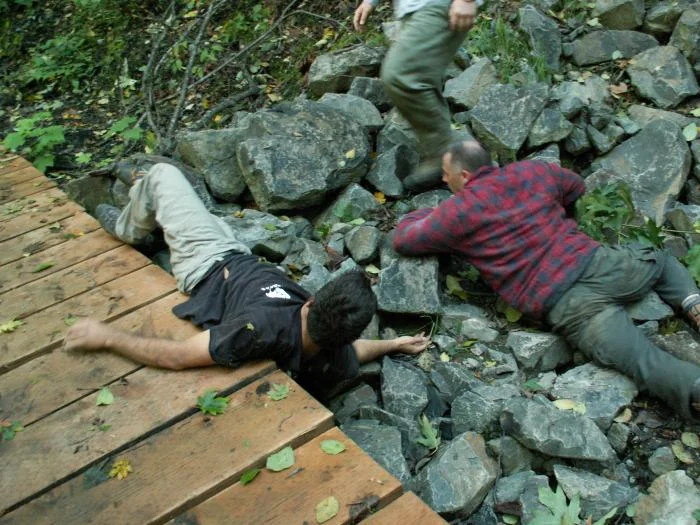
341	310
468	155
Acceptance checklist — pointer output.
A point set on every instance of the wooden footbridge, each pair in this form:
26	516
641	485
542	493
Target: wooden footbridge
58	446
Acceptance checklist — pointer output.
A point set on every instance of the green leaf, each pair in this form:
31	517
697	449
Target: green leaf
681	453
10	326
692	261
357	222
532	385
631	510
209	403
690	132
611	513
690	439
70	320
43	266
327	509
332	446
250	327
454	287
696	514
372	269
281	460
512	315
278	392
105	397
10	429
43	161
270	227
431	438
83	158
695	112
14	141
104	428
509	519
249	475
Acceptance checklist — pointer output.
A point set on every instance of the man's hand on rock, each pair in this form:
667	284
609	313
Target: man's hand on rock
415	344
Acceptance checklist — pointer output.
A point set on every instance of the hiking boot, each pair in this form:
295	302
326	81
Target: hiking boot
425	177
691	309
107	216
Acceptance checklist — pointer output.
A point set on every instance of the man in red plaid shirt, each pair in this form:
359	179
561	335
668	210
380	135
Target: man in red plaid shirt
512	224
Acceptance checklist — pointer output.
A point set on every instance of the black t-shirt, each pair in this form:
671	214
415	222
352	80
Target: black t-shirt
255	313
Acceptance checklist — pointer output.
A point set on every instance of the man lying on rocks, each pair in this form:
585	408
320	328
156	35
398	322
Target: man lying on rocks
512	224
249	309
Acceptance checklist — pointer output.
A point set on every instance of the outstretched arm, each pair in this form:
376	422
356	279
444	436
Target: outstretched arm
368	349
89	334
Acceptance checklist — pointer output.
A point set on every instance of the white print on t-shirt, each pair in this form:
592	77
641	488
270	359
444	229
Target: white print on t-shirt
275	291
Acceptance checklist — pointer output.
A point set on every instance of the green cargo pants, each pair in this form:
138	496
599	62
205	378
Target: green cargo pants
413	73
592	318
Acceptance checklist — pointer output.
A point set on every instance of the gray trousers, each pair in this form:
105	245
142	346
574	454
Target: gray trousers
591	317
413	72
196	238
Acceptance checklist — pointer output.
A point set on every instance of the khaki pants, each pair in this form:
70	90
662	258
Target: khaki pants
413	72
196	238
591	317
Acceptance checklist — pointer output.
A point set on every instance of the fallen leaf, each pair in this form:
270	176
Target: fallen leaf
210	403
249	475
695	112
380	197
350	154
332	446
105	397
10	326
618	89
250	327
278	392
70	320
510	519
681	453
281	460
690	439
357	222
570	404
370	268
593	22
444	357
120	469
690	132
42	266
624	417
512	315
616	55
327	509
532	385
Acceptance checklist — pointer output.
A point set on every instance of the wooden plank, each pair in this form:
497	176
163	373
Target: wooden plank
11	162
46	237
187	461
352	477
50	382
14	175
86	275
409	509
28	269
24	215
25	189
44	330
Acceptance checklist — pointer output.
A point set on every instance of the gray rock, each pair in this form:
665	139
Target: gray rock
89	191
357	108
662	461
452	379
530	498
618	436
554	432
651	308
396	131
382	443
304	253
681	344
316	278
619	14
120	194
661	18
464	90
629	126
686	35
598	494
409	429
409	285
512	456
263	233
458	478
363	243
347	404
600	141
550	126
430	199
390	168
663	75
509	488
371	89
213	154
403	389
478	409
354	202
603	391
574	96
577	142
295	155
334	72
543	33
671	500
538	351
644	115
478	329
695	149
502	118
550	154
599	46
654	164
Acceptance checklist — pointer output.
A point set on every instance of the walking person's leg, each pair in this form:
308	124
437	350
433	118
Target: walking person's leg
413	73
196	238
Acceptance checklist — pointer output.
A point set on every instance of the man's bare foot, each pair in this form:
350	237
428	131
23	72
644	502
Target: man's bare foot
87	334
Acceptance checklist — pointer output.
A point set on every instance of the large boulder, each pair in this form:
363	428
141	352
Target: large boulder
334	72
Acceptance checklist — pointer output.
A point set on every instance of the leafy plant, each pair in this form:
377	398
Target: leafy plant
692	261
210	403
430	436
36	141
561	513
9	429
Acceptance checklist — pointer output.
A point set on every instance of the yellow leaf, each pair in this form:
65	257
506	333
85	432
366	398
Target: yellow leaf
120	469
190	14
444	357
624	417
350	154
250	326
681	453
570	404
381	199
10	326
327	509
274	97
328	33
217	118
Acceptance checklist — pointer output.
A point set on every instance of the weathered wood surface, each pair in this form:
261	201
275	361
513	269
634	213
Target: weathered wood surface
409	509
357	482
185	464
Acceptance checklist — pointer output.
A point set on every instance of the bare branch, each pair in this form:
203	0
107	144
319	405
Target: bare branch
228	102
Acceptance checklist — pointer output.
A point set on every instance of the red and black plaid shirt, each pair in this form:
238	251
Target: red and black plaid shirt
511	224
